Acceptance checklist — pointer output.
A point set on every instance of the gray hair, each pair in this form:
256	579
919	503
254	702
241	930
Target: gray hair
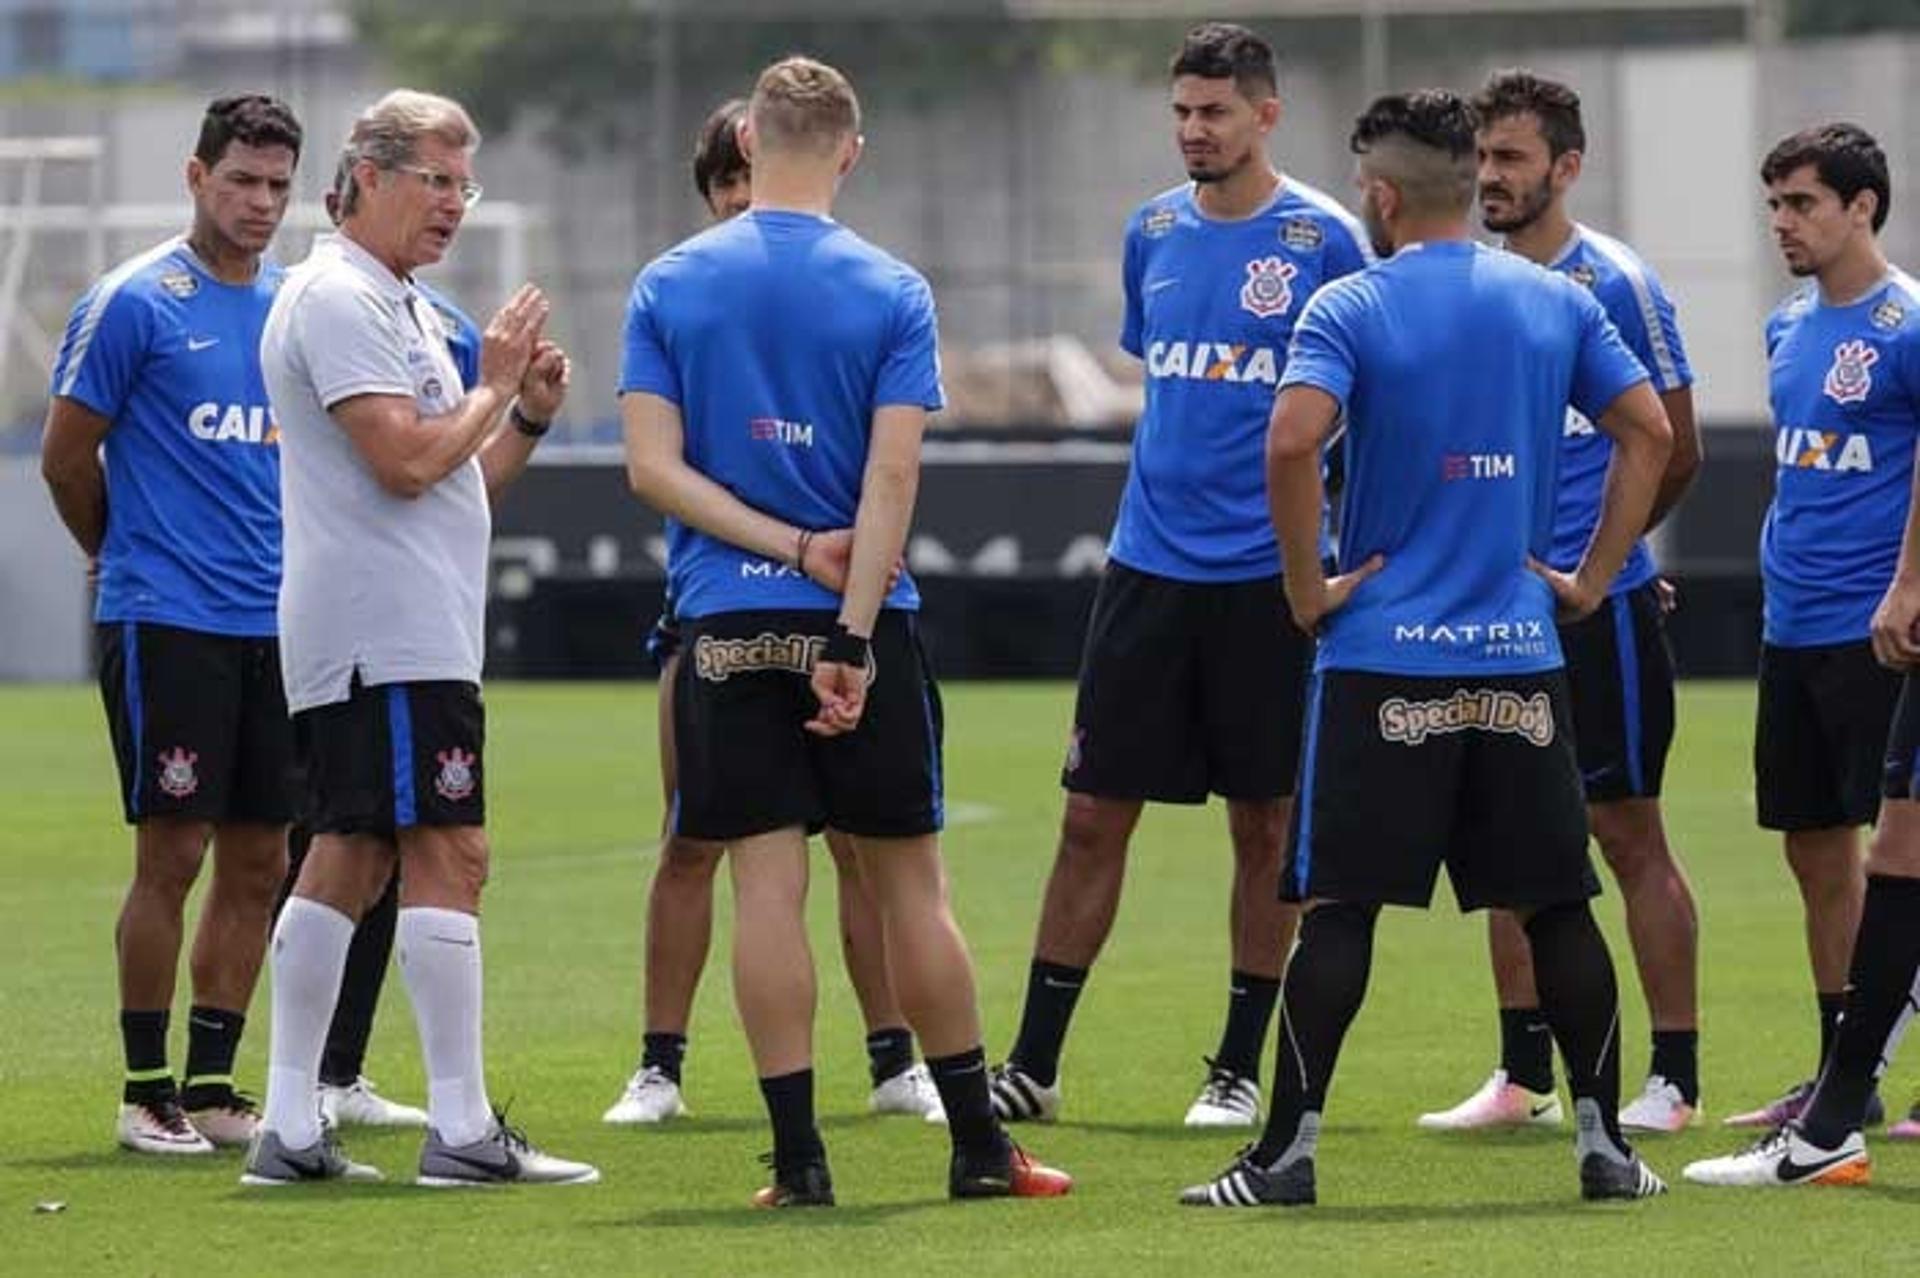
387	135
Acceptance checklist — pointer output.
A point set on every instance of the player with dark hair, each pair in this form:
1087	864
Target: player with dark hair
1193	675
785	454
1619	669
680	901
162	459
1841	559
1437	728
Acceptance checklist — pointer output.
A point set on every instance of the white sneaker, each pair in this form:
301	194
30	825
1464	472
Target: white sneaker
504	1156
159	1127
1018	1098
1659	1108
909	1092
1226	1100
650	1097
359	1104
1784	1157
1498	1103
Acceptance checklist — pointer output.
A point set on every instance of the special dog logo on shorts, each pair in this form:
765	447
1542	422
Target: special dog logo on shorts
1479	709
177	775
1269	288
455	780
718	660
1850	380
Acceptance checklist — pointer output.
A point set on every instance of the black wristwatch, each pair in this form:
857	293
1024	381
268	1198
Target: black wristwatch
525	424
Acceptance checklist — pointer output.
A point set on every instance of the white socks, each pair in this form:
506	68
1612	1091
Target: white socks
440	961
308	955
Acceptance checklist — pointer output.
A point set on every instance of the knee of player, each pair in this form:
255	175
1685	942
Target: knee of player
1632	844
1092	831
688	861
168	856
1895	849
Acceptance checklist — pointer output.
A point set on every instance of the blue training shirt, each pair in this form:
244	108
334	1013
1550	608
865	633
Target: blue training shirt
1454	365
1638	306
1210	305
463	335
170	356
778	334
1845	388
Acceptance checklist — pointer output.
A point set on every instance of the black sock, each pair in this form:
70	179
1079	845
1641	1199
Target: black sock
1052	990
1325	984
213	1039
1831	1005
1574	974
796	1141
1250	1001
345	1057
1526	1048
664	1052
889	1053
1880	998
143	1036
962	1081
1676	1058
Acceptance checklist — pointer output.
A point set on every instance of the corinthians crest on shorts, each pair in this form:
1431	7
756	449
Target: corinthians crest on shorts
1850	380
178	778
454	781
1269	287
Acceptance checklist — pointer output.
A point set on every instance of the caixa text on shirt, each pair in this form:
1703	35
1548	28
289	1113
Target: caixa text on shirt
1213	362
1469	709
718	660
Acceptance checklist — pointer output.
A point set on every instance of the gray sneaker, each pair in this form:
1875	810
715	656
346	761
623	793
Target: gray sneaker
271	1163
503	1156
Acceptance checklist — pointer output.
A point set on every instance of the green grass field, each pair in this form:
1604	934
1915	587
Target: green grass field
574	803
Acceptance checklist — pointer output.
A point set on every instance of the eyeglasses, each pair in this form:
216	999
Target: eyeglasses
444	184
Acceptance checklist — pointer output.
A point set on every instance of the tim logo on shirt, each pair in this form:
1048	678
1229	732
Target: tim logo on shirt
777	430
1850	379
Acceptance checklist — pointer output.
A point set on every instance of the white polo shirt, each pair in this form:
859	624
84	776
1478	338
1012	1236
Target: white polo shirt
388	587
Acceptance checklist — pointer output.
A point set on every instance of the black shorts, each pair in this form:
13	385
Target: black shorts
749	766
392	757
1900	777
1186	689
1620	675
1403	774
1820	743
199	723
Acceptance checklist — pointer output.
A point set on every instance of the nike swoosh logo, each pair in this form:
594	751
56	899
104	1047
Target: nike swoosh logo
204	1024
1539	1109
201	343
1237	991
1790	1170
452	940
1156	285
1052	984
506	1168
1596	774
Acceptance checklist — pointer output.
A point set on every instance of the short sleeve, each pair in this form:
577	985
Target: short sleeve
349	342
1347	252
1134	320
645	364
1323	351
1644	315
1604	368
105	346
910	373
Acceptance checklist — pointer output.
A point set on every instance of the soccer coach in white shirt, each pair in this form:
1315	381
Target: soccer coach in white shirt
386	471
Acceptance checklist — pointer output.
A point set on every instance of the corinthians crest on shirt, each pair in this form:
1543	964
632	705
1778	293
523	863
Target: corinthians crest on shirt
1850	380
1269	288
